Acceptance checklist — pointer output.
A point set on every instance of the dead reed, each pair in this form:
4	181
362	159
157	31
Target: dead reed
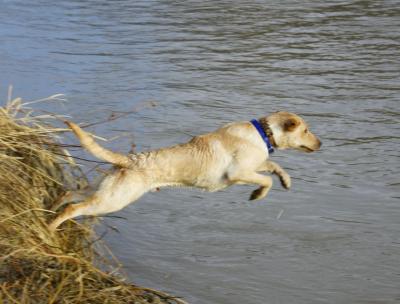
35	265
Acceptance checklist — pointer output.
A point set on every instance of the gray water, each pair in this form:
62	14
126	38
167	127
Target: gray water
335	236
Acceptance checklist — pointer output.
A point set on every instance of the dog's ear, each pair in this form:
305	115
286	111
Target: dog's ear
290	124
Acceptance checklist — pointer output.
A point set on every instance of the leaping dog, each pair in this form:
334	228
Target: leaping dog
237	153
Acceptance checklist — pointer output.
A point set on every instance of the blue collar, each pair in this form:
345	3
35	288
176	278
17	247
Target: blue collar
263	135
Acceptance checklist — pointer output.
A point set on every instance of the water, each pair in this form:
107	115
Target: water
335	236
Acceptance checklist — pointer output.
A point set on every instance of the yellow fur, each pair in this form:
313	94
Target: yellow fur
233	154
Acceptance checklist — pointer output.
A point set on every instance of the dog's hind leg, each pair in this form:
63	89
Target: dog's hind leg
73	210
114	193
71	196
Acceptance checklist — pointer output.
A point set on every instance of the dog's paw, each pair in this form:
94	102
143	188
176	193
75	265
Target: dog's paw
285	180
52	227
259	193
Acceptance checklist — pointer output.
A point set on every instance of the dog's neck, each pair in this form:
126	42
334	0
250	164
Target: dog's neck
265	125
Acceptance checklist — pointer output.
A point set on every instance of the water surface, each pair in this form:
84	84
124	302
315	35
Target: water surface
334	237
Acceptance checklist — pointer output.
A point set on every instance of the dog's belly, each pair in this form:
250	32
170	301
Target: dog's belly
212	187
213	181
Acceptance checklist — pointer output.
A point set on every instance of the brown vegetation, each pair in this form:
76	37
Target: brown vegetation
35	265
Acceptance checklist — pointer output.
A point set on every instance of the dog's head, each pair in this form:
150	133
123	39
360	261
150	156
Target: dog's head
291	132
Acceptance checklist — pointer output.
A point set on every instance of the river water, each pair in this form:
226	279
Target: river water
335	236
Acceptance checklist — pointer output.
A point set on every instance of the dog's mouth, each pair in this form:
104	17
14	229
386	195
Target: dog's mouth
306	149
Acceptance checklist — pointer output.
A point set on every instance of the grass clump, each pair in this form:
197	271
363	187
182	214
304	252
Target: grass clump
35	265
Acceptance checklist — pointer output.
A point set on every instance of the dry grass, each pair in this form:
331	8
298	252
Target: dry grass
36	266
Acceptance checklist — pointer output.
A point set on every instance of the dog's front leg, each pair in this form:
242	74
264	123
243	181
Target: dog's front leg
254	178
274	168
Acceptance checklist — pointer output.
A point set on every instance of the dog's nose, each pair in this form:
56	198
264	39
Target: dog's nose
319	144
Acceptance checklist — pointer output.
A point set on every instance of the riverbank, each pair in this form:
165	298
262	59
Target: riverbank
71	265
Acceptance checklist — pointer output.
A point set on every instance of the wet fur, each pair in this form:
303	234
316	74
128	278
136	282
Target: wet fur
233	154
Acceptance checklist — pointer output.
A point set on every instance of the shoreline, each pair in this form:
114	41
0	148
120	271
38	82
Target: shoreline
69	266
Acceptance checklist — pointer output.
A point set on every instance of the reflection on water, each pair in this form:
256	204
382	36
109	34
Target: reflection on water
333	238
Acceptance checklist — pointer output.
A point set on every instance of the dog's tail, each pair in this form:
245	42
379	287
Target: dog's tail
89	144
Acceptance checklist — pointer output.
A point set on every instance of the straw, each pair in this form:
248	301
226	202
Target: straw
69	266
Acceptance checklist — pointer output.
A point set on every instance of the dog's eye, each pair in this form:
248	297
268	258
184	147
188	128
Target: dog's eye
306	131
